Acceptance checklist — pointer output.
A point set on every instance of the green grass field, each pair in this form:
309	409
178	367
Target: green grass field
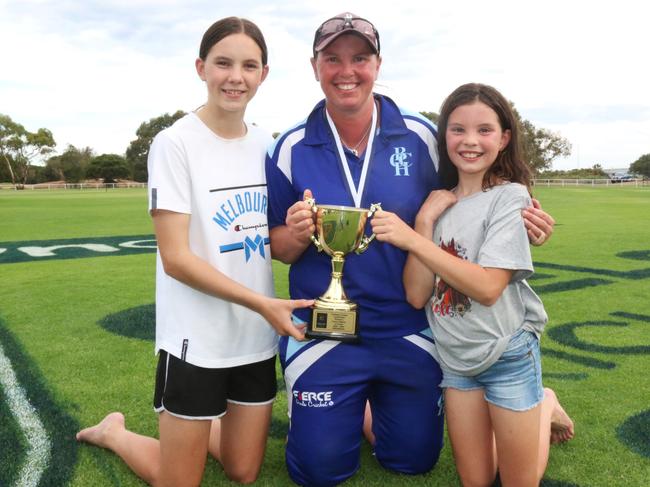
76	336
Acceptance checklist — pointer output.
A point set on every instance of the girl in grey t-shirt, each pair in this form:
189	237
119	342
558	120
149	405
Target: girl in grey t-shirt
469	256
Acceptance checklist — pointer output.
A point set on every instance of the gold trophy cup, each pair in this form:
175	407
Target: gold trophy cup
339	231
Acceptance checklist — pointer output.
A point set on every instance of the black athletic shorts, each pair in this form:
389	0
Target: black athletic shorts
192	392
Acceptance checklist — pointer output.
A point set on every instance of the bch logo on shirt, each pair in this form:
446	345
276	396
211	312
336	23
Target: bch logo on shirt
399	160
244	202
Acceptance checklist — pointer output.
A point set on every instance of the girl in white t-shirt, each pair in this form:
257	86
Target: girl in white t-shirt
216	318
468	259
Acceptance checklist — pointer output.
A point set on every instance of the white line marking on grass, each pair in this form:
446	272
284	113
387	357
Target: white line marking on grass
49	251
38	454
140	244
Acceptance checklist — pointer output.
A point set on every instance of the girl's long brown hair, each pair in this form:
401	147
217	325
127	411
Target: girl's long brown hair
509	165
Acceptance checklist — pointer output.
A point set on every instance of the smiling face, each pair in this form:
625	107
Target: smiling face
232	71
347	70
474	138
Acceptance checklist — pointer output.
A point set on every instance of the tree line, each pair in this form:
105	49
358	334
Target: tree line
28	157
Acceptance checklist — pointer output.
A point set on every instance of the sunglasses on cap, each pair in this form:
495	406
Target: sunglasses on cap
346	24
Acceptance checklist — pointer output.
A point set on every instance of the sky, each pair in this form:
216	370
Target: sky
93	71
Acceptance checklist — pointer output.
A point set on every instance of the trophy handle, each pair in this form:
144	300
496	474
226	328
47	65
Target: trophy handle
315	241
365	240
312	203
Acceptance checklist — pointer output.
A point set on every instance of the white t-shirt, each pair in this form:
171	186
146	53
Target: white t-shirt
221	184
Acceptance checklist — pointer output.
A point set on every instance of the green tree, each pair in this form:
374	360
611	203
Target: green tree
597	170
641	166
5	175
20	148
138	150
541	146
70	166
52	170
36	175
108	167
433	116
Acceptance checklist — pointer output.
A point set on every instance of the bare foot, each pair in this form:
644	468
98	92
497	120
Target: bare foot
101	433
561	423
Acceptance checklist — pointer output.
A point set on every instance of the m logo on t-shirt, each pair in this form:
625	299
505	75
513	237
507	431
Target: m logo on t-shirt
242	204
249	245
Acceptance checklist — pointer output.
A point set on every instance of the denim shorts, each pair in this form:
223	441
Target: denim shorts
513	382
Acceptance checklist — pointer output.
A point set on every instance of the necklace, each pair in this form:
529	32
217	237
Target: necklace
355	149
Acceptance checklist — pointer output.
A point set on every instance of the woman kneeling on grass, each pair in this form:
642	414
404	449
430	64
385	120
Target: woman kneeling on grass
216	318
468	259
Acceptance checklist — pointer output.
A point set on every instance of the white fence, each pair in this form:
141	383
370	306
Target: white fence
78	186
590	182
536	182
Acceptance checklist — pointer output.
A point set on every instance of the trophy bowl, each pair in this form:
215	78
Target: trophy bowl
339	231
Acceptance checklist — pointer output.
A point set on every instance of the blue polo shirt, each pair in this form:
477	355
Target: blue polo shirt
402	171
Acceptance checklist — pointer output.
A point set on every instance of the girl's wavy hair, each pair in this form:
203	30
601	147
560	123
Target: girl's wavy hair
232	25
509	165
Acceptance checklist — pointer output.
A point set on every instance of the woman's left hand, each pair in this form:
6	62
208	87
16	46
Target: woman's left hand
539	224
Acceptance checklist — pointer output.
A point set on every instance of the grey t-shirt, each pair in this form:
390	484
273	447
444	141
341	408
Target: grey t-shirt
486	228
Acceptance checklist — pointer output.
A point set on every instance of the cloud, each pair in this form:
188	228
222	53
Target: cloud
93	71
593	114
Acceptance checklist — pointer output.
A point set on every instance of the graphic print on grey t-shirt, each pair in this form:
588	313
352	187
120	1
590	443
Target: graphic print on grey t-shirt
446	300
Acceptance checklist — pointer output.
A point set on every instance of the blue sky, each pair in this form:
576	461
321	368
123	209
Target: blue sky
92	71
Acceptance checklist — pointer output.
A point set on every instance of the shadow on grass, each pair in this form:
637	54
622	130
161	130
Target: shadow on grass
279	428
635	433
543	483
12	444
556	483
138	322
60	427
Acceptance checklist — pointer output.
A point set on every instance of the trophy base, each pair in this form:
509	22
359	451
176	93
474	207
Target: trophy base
334	324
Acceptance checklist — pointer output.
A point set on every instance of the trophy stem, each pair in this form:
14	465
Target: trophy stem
335	292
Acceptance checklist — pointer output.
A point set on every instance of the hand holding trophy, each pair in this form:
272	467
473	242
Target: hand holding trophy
339	231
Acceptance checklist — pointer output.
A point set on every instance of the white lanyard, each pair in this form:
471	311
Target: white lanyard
356	193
